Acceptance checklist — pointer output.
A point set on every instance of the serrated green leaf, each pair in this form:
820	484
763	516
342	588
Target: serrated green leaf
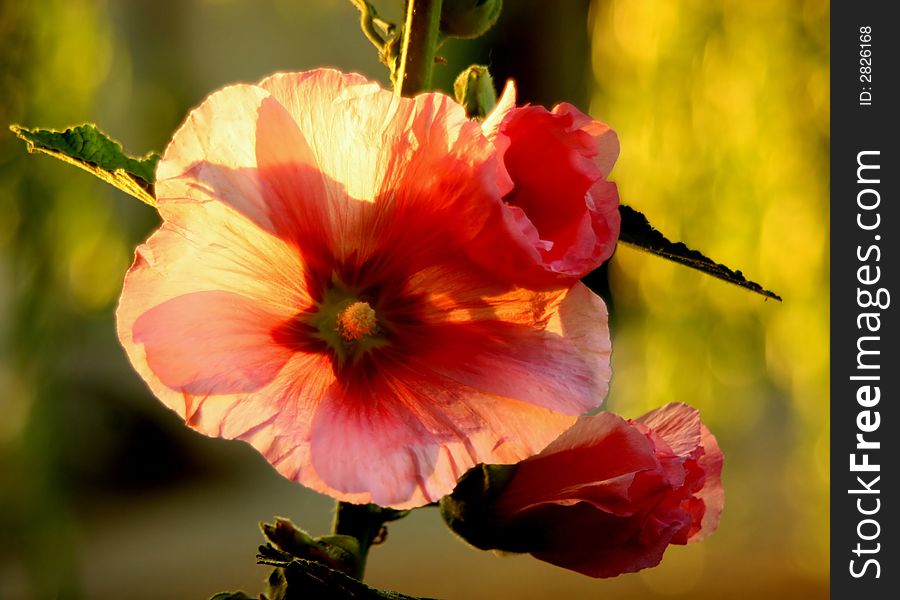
90	149
638	232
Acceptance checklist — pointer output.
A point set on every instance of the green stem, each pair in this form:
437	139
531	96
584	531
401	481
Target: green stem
420	40
364	522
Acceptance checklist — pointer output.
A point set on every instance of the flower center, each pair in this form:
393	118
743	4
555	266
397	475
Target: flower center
356	321
347	324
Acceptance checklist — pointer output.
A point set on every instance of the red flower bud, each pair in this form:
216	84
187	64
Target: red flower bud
562	215
607	497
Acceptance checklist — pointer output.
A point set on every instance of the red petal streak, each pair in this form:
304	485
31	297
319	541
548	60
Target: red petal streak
364	441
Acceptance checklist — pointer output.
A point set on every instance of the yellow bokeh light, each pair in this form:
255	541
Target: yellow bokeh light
722	110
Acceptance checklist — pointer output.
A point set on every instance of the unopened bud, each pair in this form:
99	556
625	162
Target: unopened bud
474	89
468	18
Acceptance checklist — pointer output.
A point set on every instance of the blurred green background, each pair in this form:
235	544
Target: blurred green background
723	115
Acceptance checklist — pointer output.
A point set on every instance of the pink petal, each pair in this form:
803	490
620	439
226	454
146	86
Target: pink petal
548	159
562	364
712	493
269	404
207	283
507	102
583	319
210	247
605	140
346	119
467	391
676	423
680	426
211	343
213	155
595	460
430	174
364	442
606	221
242	148
423	432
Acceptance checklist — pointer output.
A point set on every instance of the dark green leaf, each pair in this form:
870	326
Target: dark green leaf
87	147
638	232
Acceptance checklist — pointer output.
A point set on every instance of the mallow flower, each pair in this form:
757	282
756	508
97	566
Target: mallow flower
607	497
312	291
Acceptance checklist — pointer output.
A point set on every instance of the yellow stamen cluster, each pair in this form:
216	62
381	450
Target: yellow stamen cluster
356	321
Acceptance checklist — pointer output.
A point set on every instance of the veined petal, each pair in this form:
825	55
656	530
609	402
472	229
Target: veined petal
549	349
676	423
431	174
198	309
422	431
680	426
229	350
213	155
345	119
355	429
448	396
580	461
242	148
713	492
210	247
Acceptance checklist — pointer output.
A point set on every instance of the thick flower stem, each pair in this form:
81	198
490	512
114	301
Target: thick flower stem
420	40
365	523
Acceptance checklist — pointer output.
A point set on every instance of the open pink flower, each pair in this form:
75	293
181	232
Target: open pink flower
562	214
310	292
607	497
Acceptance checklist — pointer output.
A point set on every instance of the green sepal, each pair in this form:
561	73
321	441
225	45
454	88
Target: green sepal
90	149
469	512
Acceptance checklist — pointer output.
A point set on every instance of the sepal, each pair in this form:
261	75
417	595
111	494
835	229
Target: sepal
468	511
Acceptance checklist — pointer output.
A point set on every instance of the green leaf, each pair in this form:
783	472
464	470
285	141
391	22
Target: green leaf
638	232
90	149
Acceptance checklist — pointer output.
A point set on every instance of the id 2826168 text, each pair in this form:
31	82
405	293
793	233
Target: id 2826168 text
865	65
